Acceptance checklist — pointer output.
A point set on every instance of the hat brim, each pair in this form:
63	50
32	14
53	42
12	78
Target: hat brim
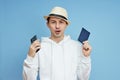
68	22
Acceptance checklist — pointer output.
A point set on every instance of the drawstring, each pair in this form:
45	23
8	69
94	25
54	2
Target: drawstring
63	59
51	67
38	65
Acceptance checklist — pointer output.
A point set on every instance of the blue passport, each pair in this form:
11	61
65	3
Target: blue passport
33	39
84	35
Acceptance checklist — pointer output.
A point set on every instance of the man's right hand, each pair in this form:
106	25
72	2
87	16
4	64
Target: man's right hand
33	48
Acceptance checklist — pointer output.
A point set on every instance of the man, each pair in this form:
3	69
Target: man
59	57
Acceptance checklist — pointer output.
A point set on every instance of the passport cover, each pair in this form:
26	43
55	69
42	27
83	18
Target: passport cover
33	39
84	35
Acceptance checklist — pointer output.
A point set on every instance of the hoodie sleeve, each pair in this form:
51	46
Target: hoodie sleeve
84	67
30	68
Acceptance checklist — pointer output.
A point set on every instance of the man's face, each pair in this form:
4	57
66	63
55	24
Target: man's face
57	27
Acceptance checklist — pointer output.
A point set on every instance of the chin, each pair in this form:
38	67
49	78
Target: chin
58	35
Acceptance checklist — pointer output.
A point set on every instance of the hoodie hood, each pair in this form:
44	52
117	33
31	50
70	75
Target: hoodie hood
48	40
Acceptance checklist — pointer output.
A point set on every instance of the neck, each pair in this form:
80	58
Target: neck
57	39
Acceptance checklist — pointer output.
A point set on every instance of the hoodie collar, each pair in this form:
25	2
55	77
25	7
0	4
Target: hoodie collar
47	39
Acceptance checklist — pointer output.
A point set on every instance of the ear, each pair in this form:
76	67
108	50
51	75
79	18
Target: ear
47	24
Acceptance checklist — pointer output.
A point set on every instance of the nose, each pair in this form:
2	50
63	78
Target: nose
57	26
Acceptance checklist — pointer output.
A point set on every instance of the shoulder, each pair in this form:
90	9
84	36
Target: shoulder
75	42
69	40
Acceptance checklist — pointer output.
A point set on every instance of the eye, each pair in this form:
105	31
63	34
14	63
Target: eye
52	22
61	21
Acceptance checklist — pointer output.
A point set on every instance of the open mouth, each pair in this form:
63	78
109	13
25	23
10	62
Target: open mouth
57	31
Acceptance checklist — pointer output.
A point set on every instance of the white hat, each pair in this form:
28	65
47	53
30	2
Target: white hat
58	12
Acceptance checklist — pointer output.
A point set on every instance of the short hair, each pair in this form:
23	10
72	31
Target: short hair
49	19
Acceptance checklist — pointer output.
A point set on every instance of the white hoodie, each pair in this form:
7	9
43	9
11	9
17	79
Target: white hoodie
58	61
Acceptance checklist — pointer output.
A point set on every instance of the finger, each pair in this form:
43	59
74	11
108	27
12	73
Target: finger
36	43
34	47
86	44
86	47
37	49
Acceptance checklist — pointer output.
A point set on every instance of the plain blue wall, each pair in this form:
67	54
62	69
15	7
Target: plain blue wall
21	19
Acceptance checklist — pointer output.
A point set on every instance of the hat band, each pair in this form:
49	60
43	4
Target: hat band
58	16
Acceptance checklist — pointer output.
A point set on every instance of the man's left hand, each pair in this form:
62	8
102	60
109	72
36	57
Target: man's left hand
86	48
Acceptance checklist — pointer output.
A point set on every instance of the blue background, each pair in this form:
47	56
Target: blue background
21	19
